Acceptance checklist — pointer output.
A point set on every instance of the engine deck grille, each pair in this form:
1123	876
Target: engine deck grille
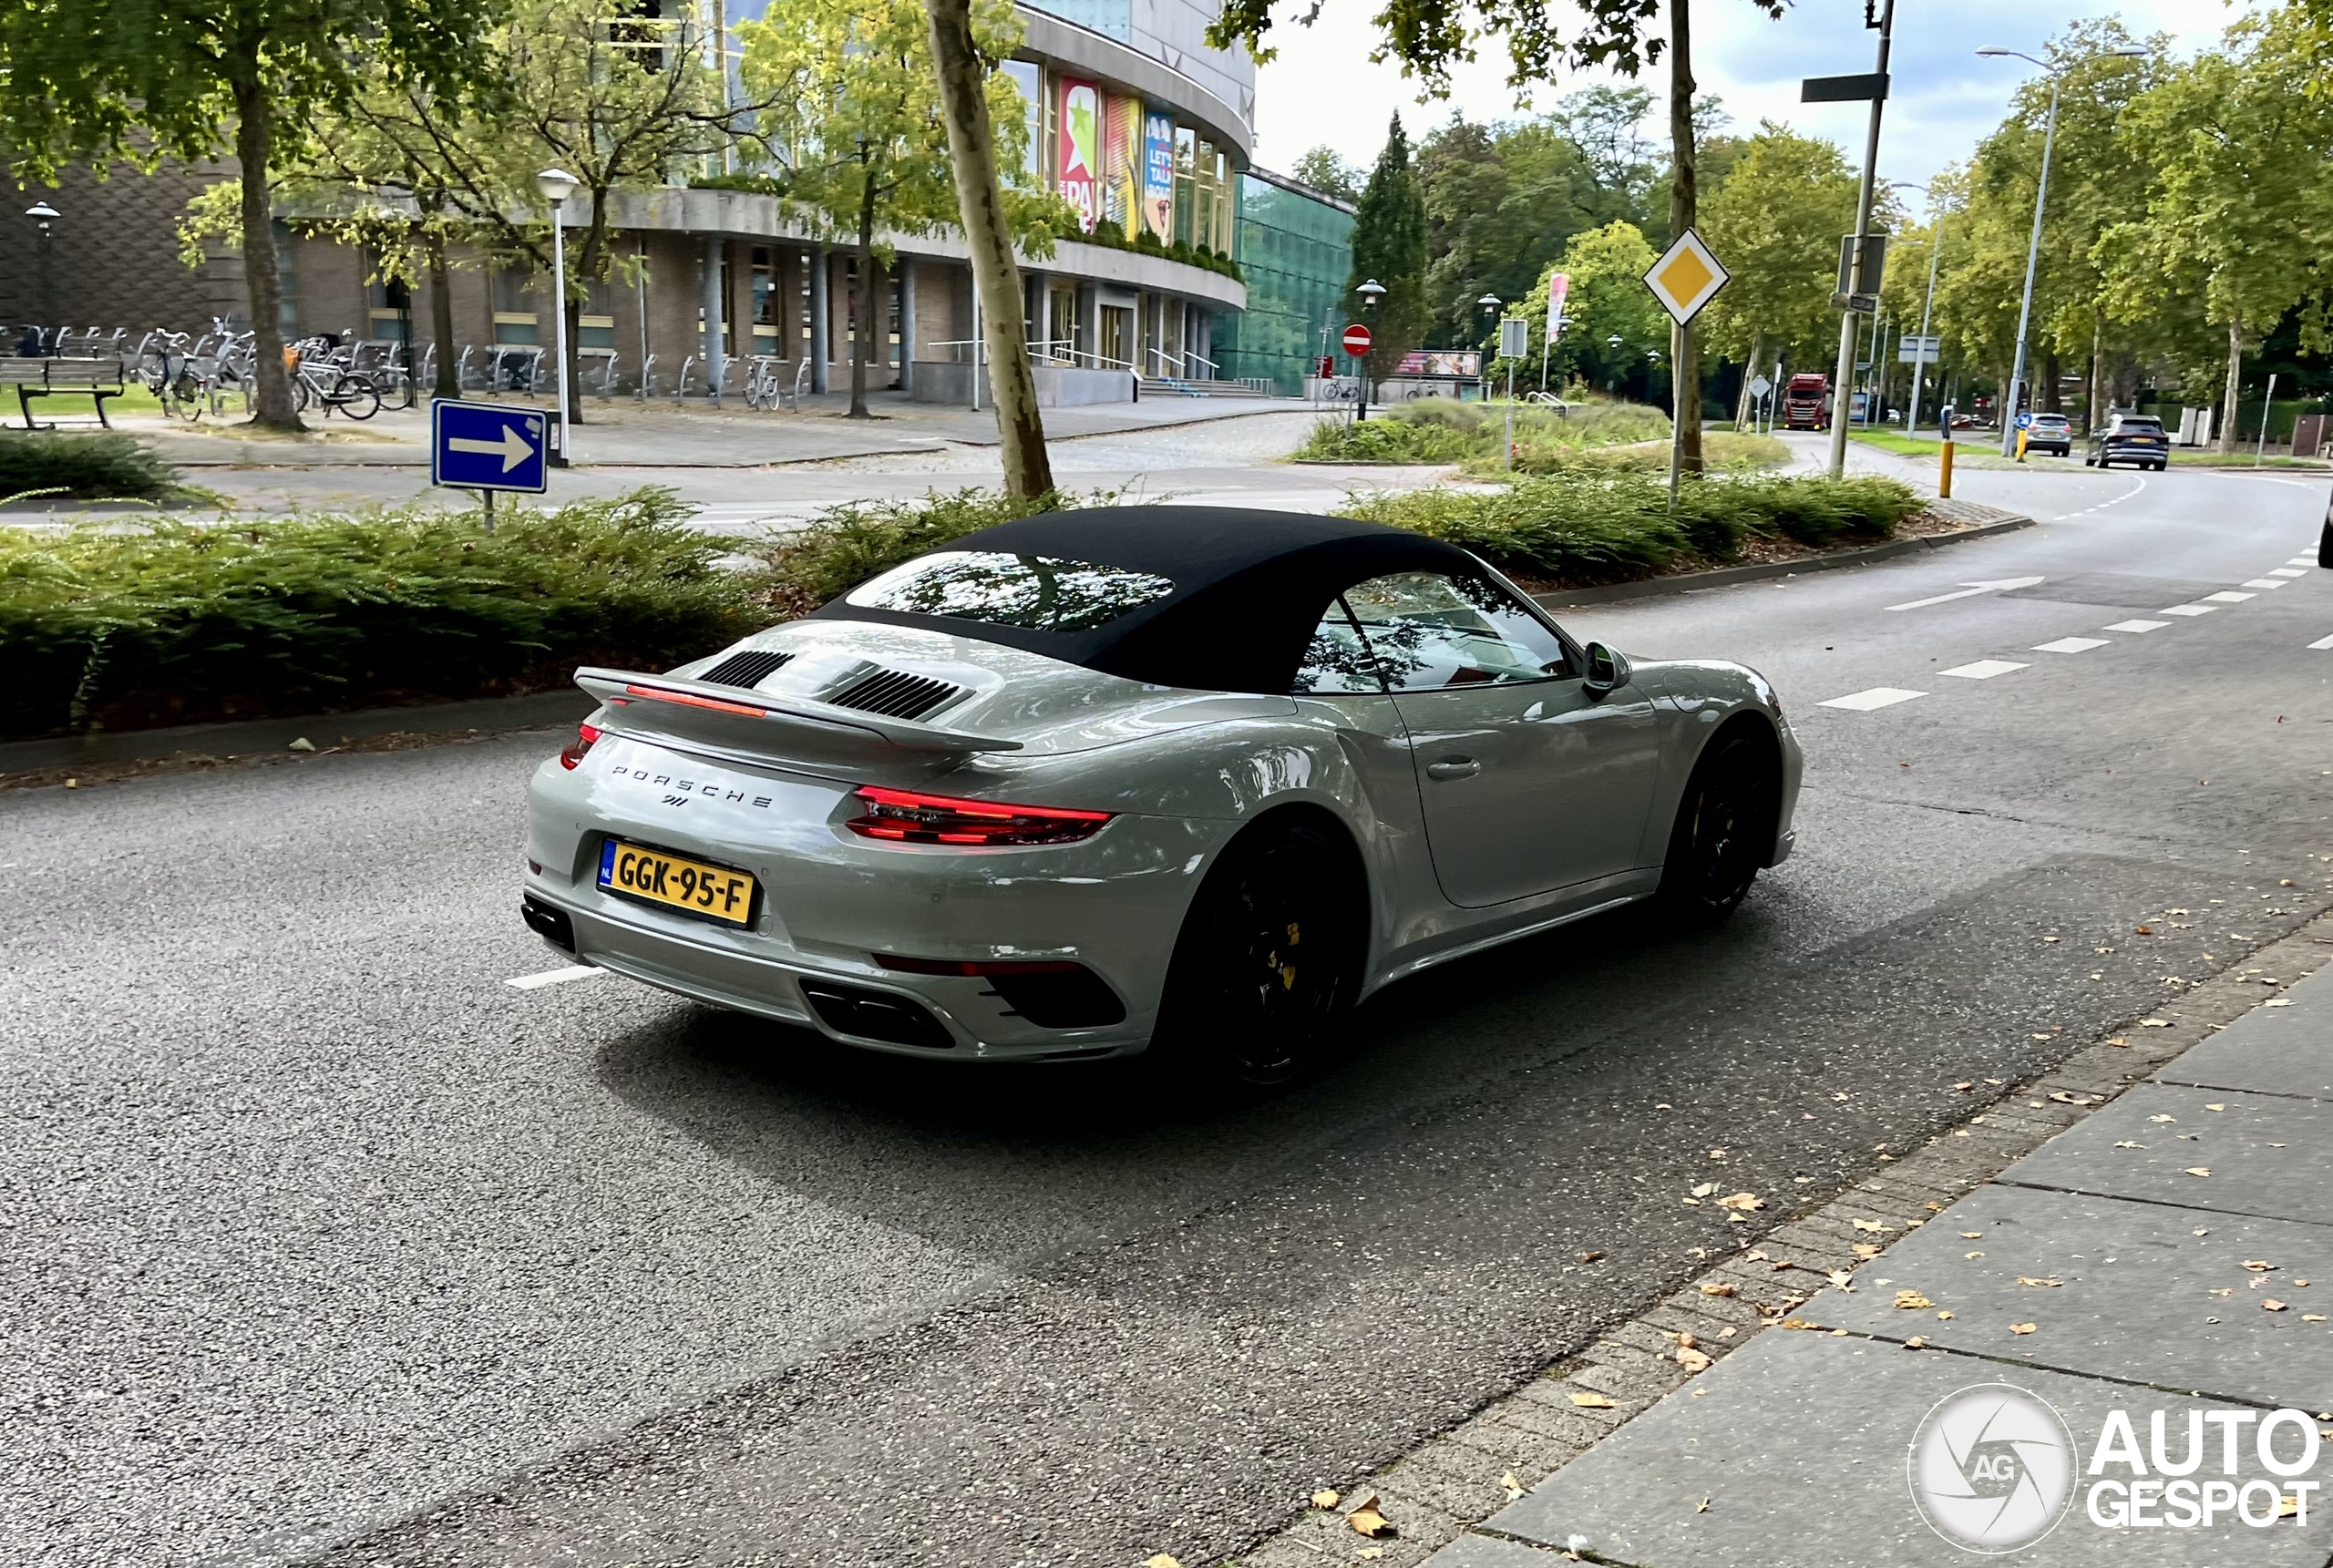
747	668
896	694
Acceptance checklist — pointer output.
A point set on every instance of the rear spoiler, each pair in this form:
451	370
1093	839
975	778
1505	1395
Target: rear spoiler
735	715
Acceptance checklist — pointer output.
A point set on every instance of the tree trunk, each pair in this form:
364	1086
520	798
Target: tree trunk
1745	404
447	380
2092	413
254	143
587	261
2052	374
971	148
1684	201
862	303
2224	441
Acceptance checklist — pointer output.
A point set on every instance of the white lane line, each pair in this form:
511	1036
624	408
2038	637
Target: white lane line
2103	505
2137	626
2288	573
2187	610
2322	643
1878	697
2071	645
2302	560
554	976
1983	669
2266	582
2227	596
1971	590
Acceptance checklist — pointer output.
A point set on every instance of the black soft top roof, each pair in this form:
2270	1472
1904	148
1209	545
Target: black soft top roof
1249	588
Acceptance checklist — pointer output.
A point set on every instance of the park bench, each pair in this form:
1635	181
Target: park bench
94	378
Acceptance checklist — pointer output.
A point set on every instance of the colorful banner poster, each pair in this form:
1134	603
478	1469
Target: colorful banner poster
1121	131
1440	361
1079	157
1158	176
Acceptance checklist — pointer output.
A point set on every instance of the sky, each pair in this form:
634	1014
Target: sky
1943	101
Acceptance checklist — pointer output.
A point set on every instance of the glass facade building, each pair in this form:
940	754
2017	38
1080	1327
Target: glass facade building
1295	249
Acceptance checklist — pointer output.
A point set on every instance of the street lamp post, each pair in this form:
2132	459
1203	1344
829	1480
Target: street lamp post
2034	246
557	185
1841	400
42	213
1488	305
1370	292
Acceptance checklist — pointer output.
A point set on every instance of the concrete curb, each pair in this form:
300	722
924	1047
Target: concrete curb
1438	1493
1759	572
540	710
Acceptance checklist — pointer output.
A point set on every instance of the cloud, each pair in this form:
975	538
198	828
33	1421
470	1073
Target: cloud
1324	87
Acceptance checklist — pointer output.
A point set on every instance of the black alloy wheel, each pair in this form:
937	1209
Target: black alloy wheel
1268	960
1725	828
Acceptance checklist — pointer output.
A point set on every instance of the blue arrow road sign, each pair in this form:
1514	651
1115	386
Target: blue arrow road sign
486	446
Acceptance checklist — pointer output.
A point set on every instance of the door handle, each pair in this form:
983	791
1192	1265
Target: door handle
1453	768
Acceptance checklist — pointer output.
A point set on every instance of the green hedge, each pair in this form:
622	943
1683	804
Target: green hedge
87	467
1580	529
176	623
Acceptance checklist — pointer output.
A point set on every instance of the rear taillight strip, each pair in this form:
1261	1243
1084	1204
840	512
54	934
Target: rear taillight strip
910	816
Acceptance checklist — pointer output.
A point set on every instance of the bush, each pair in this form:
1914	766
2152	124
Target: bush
1721	452
1335	440
1576	529
90	468
178	622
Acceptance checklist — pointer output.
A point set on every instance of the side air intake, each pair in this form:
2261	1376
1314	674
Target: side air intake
896	694
747	668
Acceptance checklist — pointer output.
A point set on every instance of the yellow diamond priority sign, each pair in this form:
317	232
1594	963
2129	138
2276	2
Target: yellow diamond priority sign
1686	278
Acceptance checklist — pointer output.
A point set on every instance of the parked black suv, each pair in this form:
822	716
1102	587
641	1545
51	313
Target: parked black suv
2049	433
2134	438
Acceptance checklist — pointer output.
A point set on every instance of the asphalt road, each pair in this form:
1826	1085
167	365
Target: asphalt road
323	1240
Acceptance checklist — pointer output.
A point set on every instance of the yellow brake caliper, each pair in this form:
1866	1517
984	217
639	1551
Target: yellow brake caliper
1287	971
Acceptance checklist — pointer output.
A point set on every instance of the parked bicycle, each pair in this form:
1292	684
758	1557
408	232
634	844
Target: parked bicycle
320	376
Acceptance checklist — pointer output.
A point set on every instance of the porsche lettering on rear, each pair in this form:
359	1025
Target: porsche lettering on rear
1157	778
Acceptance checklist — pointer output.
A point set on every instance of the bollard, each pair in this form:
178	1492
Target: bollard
1944	470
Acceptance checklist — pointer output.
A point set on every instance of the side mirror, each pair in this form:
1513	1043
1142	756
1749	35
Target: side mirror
1608	670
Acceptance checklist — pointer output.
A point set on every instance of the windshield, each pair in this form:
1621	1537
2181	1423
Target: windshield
2138	426
1036	593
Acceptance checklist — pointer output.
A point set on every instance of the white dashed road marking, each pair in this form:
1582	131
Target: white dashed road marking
2187	610
2322	643
554	976
2288	572
1971	590
2266	582
1983	669
2138	626
2071	645
2302	560
1878	697
2227	596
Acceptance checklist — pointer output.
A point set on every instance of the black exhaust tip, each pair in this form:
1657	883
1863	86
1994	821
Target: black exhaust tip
547	921
876	1015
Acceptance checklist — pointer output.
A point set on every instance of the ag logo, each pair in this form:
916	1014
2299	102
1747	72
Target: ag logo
1992	1468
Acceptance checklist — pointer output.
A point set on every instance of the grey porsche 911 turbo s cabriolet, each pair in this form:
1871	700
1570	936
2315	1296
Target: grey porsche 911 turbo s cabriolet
1098	781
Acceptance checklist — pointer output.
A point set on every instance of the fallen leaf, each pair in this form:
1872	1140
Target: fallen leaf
2221	1107
1692	1360
2258	1264
1842	1279
1162	1561
2199	1170
2049	939
2272	1305
1693	1203
2044	1284
1964	1086
1705	1189
1866	1250
1972	1254
2222	1290
1838	1097
1972	1235
2312	1317
302	744
2163	1118
2065	1099
1716	1289
1737	1218
2154	1023
2022	1327
2287	1507
1912	1300
2279	1002
1704	1506
1368	1521
1514	1488
2118	1039
1589	1257
1917	1342
1369	1555
1943	1317
1871	1226
1324	1498
2127	1144
1750	1201
2143	930
1592	1402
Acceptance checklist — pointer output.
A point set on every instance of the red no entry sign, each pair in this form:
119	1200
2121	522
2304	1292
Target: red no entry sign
1356	340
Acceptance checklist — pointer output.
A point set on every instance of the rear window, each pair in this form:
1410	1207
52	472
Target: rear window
2051	421
2147	426
1035	593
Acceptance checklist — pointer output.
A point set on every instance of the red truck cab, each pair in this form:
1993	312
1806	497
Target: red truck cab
1806	403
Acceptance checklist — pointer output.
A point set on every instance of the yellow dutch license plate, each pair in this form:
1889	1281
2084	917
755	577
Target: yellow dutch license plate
715	892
